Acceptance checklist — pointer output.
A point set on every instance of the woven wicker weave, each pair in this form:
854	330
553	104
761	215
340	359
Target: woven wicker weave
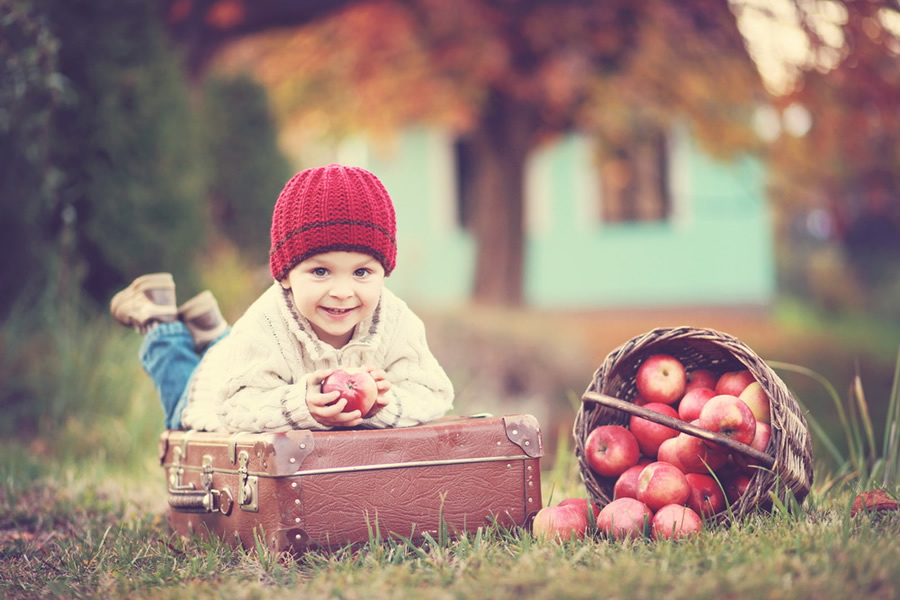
608	401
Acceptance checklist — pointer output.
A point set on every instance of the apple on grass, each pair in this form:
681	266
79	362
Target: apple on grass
649	434
757	399
700	378
623	518
610	449
356	385
563	521
582	504
734	382
675	521
661	378
661	483
692	403
707	498
728	416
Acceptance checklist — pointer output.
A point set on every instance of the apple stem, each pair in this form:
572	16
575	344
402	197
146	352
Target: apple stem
677	424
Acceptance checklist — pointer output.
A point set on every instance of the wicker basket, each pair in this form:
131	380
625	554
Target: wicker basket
787	462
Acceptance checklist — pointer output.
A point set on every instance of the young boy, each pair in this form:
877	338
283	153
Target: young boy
333	243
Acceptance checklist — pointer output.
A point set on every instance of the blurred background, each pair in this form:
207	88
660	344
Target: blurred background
567	175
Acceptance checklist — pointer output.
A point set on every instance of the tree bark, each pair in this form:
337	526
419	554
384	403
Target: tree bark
500	147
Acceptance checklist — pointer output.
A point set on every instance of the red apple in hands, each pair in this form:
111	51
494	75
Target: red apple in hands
757	399
357	386
562	521
661	378
734	382
661	483
692	403
649	434
700	378
675	521
706	498
623	518
610	449
728	416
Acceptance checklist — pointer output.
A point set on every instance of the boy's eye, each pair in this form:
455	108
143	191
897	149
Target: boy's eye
320	271
360	272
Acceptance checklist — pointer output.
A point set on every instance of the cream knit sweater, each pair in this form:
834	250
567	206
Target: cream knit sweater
252	380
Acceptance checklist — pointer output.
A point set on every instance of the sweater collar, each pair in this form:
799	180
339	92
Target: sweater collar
364	334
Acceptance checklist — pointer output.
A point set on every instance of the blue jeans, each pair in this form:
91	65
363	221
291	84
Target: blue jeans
169	357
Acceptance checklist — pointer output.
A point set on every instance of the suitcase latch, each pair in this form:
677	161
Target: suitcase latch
187	498
248	491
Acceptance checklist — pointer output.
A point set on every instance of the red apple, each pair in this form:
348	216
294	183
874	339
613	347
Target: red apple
640	401
649	434
661	378
357	386
581	504
626	484
728	416
734	382
610	449
661	483
668	452
560	522
675	521
757	399
707	498
760	442
693	401
700	378
696	456
623	518
735	484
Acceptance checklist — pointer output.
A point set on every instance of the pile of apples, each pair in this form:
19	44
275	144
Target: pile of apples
669	479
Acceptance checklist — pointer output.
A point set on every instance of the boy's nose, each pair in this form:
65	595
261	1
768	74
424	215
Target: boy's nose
340	290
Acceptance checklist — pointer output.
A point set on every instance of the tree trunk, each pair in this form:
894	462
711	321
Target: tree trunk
499	149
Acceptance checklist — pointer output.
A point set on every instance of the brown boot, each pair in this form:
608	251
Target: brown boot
203	318
149	299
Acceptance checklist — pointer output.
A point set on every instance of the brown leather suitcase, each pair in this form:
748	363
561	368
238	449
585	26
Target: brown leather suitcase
301	490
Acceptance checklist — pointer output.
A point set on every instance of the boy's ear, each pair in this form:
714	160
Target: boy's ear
285	283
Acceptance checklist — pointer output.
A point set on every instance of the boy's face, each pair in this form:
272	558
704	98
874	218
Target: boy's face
335	291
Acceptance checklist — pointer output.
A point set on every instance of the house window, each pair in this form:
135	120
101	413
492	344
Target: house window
634	182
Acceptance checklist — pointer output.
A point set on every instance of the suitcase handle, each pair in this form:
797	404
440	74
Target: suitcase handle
200	501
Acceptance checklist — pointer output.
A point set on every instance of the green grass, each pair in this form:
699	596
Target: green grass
82	512
81	533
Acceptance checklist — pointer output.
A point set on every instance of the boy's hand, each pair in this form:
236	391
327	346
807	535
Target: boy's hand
383	385
320	405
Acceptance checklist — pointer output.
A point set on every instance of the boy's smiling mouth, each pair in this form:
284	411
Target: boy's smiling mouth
336	311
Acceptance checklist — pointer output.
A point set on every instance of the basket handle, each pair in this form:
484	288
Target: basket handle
652	415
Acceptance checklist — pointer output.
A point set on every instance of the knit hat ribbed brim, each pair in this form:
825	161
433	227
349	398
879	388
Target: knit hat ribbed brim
332	208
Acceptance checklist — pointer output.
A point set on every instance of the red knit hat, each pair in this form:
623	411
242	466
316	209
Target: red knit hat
333	208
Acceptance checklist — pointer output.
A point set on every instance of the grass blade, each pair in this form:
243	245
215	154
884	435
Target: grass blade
852	432
891	451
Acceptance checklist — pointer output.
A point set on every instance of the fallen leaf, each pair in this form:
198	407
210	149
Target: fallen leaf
872	501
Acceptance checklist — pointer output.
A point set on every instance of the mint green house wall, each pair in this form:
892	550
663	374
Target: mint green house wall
716	250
